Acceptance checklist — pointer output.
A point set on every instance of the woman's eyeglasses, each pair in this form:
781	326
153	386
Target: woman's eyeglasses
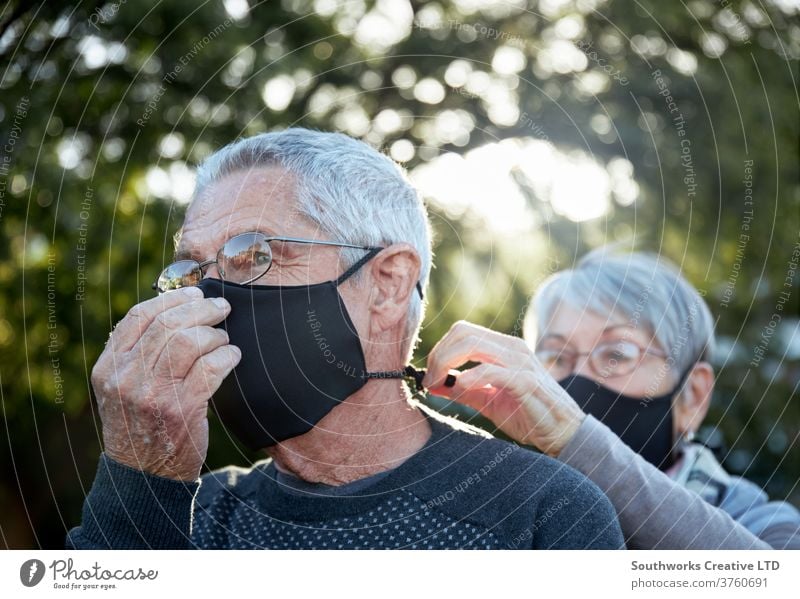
609	359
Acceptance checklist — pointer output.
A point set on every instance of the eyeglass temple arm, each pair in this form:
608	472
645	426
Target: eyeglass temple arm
320	242
339	244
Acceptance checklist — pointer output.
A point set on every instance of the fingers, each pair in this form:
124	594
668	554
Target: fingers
489	389
207	373
166	325
184	347
130	329
484	376
466	342
480	382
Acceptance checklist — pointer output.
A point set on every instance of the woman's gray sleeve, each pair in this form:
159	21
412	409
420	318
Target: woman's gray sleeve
654	512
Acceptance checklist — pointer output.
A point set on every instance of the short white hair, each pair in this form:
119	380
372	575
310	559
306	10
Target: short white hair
645	289
347	188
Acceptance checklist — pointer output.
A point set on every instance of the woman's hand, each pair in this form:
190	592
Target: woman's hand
510	386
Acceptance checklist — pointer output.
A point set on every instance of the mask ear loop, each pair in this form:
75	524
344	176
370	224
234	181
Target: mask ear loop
684	377
351	271
366	258
414	375
409	372
690	438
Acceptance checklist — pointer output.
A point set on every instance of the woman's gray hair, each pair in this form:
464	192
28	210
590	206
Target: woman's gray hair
645	289
348	189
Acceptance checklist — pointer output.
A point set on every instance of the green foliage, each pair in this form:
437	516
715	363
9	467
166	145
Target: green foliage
94	97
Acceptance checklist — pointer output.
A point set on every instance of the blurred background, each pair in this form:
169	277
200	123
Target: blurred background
536	130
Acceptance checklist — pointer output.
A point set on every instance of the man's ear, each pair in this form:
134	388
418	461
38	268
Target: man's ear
395	271
692	405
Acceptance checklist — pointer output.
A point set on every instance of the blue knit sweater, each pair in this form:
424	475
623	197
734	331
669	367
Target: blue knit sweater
463	489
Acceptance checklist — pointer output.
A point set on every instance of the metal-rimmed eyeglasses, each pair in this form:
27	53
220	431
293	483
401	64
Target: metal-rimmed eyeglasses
243	259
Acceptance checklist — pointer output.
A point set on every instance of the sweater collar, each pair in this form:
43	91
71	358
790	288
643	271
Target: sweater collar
303	501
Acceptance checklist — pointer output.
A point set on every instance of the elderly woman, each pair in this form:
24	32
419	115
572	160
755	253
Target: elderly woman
617	385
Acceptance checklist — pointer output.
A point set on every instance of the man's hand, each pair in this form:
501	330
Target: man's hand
510	386
161	365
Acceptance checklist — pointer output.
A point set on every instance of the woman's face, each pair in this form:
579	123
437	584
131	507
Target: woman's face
571	331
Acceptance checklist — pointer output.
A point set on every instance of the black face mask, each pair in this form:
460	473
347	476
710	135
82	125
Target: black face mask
643	424
301	357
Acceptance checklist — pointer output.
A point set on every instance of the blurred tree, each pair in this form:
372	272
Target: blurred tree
105	107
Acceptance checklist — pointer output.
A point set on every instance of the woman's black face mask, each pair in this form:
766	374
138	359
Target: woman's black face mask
643	423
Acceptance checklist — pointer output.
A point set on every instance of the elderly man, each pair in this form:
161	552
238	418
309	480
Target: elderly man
294	304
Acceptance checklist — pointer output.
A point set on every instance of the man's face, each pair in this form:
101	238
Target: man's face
264	199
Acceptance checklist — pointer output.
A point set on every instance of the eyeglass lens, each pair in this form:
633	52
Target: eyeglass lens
243	259
607	359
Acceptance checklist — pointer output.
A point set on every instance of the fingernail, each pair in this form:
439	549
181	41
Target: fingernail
236	351
192	291
221	303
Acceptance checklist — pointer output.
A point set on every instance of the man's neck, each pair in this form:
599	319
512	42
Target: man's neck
373	430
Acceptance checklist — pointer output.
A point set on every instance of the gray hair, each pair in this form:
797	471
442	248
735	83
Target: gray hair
348	189
645	289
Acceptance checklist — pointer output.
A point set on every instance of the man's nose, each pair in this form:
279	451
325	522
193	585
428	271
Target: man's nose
212	272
